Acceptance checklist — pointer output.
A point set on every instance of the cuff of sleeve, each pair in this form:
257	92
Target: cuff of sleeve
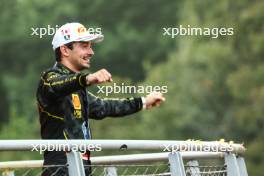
144	102
82	80
138	102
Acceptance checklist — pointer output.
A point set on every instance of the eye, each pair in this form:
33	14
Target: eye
86	45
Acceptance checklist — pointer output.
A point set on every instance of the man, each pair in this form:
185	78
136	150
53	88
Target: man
65	106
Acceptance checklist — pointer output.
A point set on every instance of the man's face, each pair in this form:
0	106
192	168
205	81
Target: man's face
79	57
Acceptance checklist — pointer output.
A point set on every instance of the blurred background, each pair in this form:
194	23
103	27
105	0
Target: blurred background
215	86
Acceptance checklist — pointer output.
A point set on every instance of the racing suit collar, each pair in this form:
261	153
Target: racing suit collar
63	68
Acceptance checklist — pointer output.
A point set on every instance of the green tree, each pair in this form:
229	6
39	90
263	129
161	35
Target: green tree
215	85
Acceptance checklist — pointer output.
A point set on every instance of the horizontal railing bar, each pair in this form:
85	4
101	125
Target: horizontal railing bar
161	145
21	164
152	157
118	159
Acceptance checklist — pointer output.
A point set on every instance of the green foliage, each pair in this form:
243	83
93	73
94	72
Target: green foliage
215	85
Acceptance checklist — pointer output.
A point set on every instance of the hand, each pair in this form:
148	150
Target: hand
100	76
154	99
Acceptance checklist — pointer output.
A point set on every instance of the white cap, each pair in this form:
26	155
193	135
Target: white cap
74	32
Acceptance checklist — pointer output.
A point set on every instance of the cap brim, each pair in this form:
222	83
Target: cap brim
96	38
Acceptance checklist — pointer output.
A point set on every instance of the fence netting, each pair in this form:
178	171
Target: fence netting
155	169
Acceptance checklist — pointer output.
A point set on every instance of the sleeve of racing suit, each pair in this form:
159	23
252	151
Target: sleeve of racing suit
101	108
56	85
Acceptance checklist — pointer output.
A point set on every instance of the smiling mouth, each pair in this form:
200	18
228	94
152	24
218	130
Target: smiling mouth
87	60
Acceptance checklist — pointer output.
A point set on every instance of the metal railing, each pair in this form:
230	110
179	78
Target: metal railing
178	157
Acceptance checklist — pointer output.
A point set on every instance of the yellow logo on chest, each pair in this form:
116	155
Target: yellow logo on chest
77	106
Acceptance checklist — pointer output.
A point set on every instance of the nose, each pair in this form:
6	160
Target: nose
90	52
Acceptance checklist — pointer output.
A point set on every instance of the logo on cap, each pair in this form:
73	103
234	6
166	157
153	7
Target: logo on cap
81	30
66	34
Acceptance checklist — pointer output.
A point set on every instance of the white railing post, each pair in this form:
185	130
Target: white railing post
193	168
110	171
232	165
75	164
242	166
176	164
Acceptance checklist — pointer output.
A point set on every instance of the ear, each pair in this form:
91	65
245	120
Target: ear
64	51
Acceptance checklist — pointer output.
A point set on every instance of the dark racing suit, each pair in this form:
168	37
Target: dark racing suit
65	108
